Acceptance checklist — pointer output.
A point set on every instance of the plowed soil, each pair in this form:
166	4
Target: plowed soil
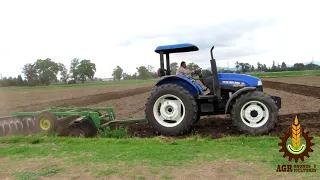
220	126
302	80
77	101
17	99
305	90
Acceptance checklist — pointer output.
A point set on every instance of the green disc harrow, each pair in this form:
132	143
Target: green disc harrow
79	122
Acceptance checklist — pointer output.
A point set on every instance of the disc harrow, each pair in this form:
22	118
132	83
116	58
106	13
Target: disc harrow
79	122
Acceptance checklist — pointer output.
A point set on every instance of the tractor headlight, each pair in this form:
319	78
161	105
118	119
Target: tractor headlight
259	83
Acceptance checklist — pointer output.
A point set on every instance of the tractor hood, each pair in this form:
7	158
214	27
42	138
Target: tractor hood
239	80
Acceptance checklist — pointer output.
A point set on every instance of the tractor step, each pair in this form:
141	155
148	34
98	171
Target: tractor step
277	100
206	97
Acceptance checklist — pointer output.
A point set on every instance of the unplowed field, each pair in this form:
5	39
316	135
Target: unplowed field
129	101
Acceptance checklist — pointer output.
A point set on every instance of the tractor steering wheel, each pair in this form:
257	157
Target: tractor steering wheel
198	72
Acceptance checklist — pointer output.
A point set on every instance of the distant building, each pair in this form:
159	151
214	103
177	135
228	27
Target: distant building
107	79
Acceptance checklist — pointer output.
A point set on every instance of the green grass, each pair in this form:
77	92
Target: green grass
285	73
154	153
88	84
47	171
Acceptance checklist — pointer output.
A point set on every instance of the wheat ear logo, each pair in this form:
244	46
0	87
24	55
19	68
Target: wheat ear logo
300	144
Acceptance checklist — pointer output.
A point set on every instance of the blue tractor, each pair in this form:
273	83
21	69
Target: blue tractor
176	102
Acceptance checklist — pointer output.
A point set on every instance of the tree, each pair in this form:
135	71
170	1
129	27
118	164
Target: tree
259	66
206	72
283	65
134	76
117	73
143	72
311	66
192	66
150	68
126	76
173	67
20	81
63	73
86	69
47	70
73	69
237	65
31	74
298	66
252	68
245	67
264	67
274	67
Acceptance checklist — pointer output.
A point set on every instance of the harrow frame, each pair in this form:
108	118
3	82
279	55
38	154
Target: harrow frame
98	117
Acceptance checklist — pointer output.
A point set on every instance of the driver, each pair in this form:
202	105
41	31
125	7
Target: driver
183	71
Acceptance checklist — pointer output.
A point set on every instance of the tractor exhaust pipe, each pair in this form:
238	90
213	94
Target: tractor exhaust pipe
211	52
216	83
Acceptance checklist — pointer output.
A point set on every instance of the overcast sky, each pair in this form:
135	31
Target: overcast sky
126	32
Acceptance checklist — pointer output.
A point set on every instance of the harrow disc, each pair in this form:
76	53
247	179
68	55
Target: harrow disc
29	125
17	126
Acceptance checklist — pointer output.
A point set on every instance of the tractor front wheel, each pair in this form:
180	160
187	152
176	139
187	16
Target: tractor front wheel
254	112
171	110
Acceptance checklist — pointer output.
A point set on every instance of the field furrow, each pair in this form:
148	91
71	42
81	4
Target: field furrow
305	90
79	101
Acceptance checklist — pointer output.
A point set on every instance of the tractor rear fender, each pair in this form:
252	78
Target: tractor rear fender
181	81
237	93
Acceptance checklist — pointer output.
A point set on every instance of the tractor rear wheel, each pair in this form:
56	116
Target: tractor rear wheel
254	112
171	110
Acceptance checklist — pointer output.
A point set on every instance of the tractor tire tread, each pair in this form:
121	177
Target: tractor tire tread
187	127
268	101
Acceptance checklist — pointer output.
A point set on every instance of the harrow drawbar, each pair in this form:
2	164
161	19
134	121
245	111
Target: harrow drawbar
80	122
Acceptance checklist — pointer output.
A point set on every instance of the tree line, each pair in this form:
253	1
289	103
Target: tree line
45	71
246	67
146	72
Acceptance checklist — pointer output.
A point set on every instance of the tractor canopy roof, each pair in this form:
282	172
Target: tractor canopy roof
176	48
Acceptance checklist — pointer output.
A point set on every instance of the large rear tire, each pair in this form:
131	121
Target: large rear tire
254	112
171	110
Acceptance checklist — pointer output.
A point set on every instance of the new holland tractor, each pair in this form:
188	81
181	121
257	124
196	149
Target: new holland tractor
177	102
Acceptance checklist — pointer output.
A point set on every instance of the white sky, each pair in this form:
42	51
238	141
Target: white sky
63	30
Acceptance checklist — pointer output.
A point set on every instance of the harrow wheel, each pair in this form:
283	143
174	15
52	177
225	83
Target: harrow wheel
46	122
77	132
83	128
